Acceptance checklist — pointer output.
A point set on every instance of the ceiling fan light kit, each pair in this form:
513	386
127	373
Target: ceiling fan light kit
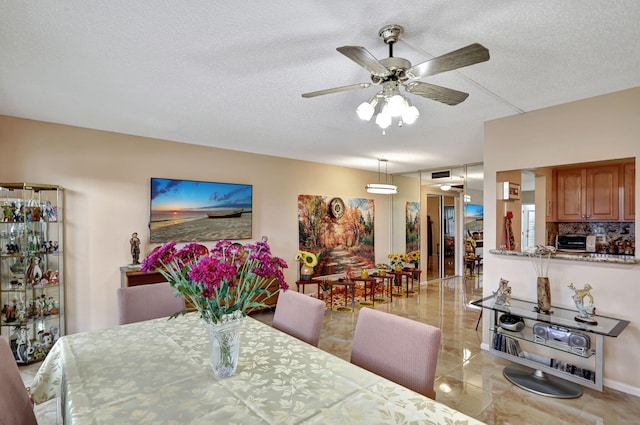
393	72
382	188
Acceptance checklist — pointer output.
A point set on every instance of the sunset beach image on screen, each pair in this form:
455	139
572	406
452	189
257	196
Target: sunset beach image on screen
190	210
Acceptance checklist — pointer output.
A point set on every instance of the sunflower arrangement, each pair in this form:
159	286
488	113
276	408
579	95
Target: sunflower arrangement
414	257
397	260
308	259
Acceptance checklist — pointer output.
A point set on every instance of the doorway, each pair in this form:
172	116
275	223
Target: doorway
441	236
528	226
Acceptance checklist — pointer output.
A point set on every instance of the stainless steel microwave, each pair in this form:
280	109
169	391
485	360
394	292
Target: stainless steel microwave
576	243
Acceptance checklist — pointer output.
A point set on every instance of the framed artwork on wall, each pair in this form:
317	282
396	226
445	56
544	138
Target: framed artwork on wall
508	191
190	210
412	226
340	231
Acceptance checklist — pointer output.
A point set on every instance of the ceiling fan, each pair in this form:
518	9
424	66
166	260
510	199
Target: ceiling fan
393	72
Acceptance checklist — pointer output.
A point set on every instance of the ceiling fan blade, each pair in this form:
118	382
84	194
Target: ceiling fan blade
336	90
437	93
365	59
469	55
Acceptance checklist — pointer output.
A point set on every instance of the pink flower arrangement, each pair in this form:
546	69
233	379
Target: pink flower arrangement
229	278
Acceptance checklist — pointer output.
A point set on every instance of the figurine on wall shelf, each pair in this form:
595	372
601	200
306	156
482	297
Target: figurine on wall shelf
586	311
135	249
503	294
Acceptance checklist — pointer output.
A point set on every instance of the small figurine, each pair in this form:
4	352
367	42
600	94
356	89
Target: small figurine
54	333
54	278
48	212
503	294
34	272
586	311
23	345
47	340
36	214
135	248
9	311
44	281
8	211
53	308
21	311
39	351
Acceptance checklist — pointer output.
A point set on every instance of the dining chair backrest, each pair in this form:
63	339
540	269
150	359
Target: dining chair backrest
299	315
15	405
145	302
399	349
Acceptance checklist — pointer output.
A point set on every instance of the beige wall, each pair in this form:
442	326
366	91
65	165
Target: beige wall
106	180
604	127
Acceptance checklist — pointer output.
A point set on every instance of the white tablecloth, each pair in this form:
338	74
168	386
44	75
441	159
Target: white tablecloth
158	372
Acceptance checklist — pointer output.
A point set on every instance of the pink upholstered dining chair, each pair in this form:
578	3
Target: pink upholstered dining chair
299	315
408	355
15	404
145	302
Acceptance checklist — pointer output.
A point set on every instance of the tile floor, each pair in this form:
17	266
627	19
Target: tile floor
467	378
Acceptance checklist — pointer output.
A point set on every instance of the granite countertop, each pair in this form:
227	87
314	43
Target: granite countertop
571	256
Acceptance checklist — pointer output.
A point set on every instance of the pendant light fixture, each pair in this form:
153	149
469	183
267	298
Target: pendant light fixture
382	188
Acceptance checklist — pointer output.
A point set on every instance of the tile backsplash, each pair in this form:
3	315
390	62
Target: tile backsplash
612	237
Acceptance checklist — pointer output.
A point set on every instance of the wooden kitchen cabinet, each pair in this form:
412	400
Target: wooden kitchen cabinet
588	193
629	205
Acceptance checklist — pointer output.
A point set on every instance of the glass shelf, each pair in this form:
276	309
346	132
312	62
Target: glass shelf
559	316
527	335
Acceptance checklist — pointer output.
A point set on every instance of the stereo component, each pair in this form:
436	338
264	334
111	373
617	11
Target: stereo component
511	322
578	341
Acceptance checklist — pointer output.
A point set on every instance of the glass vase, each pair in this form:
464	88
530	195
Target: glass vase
224	338
544	295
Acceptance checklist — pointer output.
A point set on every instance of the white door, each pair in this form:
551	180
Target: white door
528	226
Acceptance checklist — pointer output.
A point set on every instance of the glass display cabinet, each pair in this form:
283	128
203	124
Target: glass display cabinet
31	268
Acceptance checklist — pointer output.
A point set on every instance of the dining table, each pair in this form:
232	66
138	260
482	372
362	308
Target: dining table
159	372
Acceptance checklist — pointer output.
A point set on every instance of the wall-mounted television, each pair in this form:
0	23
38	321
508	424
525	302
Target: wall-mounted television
190	210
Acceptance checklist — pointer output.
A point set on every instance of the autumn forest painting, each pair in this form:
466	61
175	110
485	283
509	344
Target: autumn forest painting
413	226
339	231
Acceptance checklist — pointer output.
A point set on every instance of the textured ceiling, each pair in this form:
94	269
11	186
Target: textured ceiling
231	74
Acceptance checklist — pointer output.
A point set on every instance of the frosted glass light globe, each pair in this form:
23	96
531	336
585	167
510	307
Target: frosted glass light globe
396	105
383	119
410	115
365	111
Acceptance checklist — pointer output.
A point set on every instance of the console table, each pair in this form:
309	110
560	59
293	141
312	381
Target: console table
348	287
387	282
132	276
303	283
408	276
535	377
368	281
